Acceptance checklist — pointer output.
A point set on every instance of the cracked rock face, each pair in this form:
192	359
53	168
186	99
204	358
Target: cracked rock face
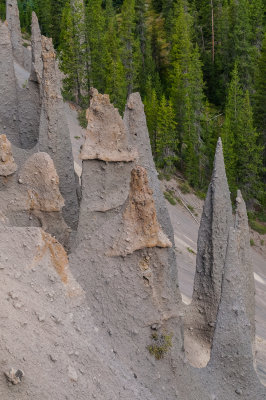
41	179
7	163
106	137
141	228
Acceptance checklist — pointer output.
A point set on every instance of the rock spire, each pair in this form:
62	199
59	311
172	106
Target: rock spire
106	139
12	17
9	103
243	247
141	229
212	242
232	353
54	135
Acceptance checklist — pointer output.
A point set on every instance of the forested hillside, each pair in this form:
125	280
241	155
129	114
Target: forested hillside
199	65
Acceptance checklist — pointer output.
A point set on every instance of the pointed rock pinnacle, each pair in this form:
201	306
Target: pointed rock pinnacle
36	45
232	345
106	139
216	220
243	244
141	228
12	17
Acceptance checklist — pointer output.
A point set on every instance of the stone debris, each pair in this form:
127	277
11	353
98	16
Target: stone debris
7	163
41	180
140	225
14	376
106	139
72	374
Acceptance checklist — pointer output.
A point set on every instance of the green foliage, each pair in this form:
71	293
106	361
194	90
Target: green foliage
243	154
200	67
170	198
161	344
191	251
252	243
184	187
82	119
258	227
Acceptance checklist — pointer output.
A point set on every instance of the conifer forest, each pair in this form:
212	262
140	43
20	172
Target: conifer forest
200	66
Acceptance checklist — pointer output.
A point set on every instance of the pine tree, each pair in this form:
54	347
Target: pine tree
260	96
243	154
44	13
115	73
248	152
151	105
95	33
233	111
56	11
73	55
130	45
166	139
186	83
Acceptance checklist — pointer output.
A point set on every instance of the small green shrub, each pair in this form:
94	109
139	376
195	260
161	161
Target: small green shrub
201	195
170	198
190	208
178	200
191	251
77	137
184	187
25	44
82	119
257	226
252	243
161	343
262	242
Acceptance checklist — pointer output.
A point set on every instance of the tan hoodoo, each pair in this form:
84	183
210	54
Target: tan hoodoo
106	138
7	163
141	228
40	177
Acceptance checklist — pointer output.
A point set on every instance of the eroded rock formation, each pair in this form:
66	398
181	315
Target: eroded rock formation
54	134
42	183
106	139
216	220
104	339
243	247
9	102
12	17
232	353
7	163
141	228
